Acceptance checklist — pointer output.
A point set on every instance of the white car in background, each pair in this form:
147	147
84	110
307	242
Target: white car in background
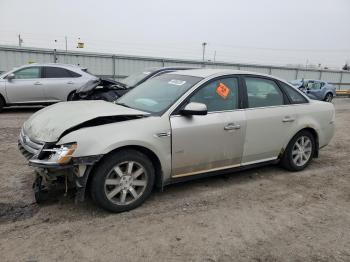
174	127
41	84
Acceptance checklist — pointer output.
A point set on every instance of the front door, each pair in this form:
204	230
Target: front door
26	87
213	141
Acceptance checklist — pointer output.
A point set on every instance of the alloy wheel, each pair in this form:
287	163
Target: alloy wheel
302	150
328	98
125	183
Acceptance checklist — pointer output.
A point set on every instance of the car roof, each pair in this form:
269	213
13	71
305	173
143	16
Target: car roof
213	72
315	80
159	69
52	64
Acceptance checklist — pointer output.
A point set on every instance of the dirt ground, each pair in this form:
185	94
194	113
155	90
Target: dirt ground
265	214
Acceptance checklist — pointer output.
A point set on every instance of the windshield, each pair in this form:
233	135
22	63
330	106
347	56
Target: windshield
159	93
133	79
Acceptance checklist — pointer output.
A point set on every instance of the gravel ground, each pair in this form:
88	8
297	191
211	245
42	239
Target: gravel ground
265	214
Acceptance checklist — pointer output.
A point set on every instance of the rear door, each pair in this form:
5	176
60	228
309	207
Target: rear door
26	87
213	141
59	83
270	119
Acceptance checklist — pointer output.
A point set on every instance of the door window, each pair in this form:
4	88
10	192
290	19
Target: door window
263	92
218	95
57	72
316	86
28	73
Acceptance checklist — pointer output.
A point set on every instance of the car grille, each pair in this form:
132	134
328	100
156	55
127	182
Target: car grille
28	147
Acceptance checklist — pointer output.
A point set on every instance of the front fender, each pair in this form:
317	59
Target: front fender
103	139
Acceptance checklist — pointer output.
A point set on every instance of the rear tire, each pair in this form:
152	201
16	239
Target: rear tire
71	96
2	103
328	98
299	151
122	181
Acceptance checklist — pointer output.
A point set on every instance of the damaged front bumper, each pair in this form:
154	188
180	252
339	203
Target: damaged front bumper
76	171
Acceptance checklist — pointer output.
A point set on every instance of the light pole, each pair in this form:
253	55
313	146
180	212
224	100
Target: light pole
20	41
203	45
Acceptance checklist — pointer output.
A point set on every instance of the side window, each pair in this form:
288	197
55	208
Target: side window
263	92
317	85
28	73
218	95
294	95
314	85
73	74
56	72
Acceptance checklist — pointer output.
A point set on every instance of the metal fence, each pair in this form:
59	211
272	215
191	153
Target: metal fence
120	66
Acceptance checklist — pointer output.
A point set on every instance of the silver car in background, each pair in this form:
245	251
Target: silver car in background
41	84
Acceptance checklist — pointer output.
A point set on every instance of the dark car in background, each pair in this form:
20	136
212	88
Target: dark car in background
316	89
110	90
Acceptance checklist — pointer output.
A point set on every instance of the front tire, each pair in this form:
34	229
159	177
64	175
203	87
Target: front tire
122	181
299	151
328	98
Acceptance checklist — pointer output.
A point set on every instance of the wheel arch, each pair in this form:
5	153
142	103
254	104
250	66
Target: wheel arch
152	156
2	98
315	135
71	93
328	92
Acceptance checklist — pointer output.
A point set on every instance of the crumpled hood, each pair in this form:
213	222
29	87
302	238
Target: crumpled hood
51	122
107	83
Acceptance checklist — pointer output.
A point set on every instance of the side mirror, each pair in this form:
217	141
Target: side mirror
11	76
193	109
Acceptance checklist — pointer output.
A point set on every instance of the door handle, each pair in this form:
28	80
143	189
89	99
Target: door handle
232	126
37	83
70	83
288	119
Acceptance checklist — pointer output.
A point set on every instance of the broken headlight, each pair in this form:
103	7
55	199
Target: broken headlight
61	154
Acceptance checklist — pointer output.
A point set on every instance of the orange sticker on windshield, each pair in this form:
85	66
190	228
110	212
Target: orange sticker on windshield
222	90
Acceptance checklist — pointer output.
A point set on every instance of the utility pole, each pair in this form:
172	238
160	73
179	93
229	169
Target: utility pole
214	56
20	40
203	45
55	55
65	38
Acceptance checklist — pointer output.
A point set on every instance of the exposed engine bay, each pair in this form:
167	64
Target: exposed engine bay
101	89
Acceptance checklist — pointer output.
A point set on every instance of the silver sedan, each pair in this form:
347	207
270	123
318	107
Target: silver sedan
174	127
41	84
